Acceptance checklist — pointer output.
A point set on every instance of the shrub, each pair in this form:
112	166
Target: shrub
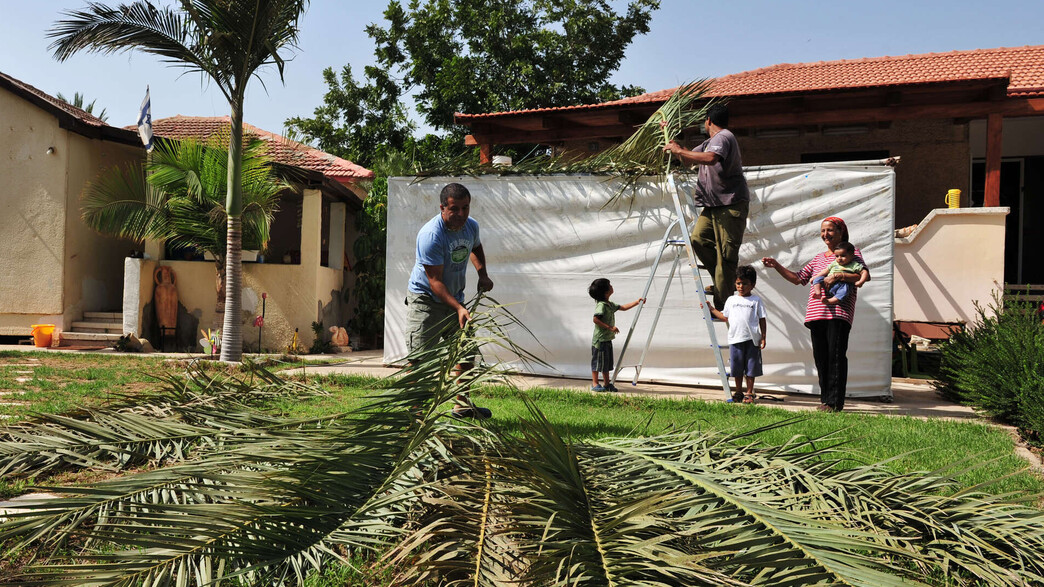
997	364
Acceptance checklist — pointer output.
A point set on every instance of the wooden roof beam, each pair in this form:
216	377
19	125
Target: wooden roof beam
1011	107
550	136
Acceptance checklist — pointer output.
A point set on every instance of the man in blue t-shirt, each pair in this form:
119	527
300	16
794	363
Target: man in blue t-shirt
435	293
721	190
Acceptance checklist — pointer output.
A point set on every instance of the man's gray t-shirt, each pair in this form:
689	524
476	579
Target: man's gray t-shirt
721	183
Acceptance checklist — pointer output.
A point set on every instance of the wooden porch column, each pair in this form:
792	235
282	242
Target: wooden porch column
485	154
994	126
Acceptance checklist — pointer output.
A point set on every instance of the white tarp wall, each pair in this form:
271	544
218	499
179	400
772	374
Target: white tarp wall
546	238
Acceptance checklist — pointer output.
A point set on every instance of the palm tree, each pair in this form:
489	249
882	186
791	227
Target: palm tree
181	199
226	41
78	100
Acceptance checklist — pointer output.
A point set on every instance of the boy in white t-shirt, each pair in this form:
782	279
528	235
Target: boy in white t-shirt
745	314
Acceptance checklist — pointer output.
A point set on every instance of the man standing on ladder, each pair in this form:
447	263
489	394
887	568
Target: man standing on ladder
721	190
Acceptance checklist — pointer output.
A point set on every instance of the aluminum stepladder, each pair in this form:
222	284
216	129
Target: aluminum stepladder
676	236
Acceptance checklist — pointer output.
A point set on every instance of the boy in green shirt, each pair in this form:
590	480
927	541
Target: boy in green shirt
604	332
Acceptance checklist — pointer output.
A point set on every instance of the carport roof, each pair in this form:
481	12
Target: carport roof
1023	67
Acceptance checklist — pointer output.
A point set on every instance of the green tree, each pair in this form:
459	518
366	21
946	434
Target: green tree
357	121
371	245
78	100
226	41
181	199
491	55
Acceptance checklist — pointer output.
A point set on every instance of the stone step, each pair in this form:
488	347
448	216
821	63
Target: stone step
90	336
97	327
104	316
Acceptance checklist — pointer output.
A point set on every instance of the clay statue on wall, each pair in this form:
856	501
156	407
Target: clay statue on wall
165	298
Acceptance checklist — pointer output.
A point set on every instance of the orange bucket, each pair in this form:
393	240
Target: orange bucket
42	334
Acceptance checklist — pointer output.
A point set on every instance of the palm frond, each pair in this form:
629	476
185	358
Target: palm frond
137	26
266	499
120	203
641	155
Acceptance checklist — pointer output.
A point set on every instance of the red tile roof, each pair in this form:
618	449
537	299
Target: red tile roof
1022	66
49	100
280	149
69	117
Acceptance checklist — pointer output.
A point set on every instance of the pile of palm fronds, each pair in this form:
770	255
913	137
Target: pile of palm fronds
641	155
253	498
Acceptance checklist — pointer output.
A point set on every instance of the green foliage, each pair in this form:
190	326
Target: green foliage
79	101
181	198
226	42
357	122
492	55
471	56
369	249
319	344
997	364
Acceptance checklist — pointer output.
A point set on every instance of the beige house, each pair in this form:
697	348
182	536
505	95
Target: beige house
53	269
92	286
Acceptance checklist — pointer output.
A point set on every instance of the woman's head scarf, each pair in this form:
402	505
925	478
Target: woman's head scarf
840	224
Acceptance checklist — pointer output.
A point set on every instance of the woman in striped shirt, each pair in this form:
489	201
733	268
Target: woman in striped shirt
829	325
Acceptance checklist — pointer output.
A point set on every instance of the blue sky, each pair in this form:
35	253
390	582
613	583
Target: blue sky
688	40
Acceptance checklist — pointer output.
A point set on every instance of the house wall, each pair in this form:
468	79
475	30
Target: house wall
953	259
33	199
52	267
935	157
93	277
296	294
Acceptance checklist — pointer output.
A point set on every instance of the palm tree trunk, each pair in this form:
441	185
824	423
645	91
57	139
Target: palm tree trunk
232	326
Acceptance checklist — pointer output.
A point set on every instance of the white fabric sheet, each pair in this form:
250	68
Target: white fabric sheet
546	238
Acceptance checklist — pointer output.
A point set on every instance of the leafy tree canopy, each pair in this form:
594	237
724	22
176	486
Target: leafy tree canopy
470	56
358	121
492	55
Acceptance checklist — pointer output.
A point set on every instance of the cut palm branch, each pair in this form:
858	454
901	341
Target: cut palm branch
641	155
445	502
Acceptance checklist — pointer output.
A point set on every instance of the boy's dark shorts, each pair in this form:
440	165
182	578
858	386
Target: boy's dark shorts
745	359
602	357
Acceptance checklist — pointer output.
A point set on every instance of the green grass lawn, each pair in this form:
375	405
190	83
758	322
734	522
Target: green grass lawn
913	444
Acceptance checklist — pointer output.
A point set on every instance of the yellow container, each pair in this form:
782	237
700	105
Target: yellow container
42	334
953	198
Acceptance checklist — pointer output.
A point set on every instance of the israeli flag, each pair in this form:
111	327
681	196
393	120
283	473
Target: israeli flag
145	121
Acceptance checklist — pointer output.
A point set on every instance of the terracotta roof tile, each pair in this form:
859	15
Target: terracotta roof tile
1023	66
280	149
82	115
